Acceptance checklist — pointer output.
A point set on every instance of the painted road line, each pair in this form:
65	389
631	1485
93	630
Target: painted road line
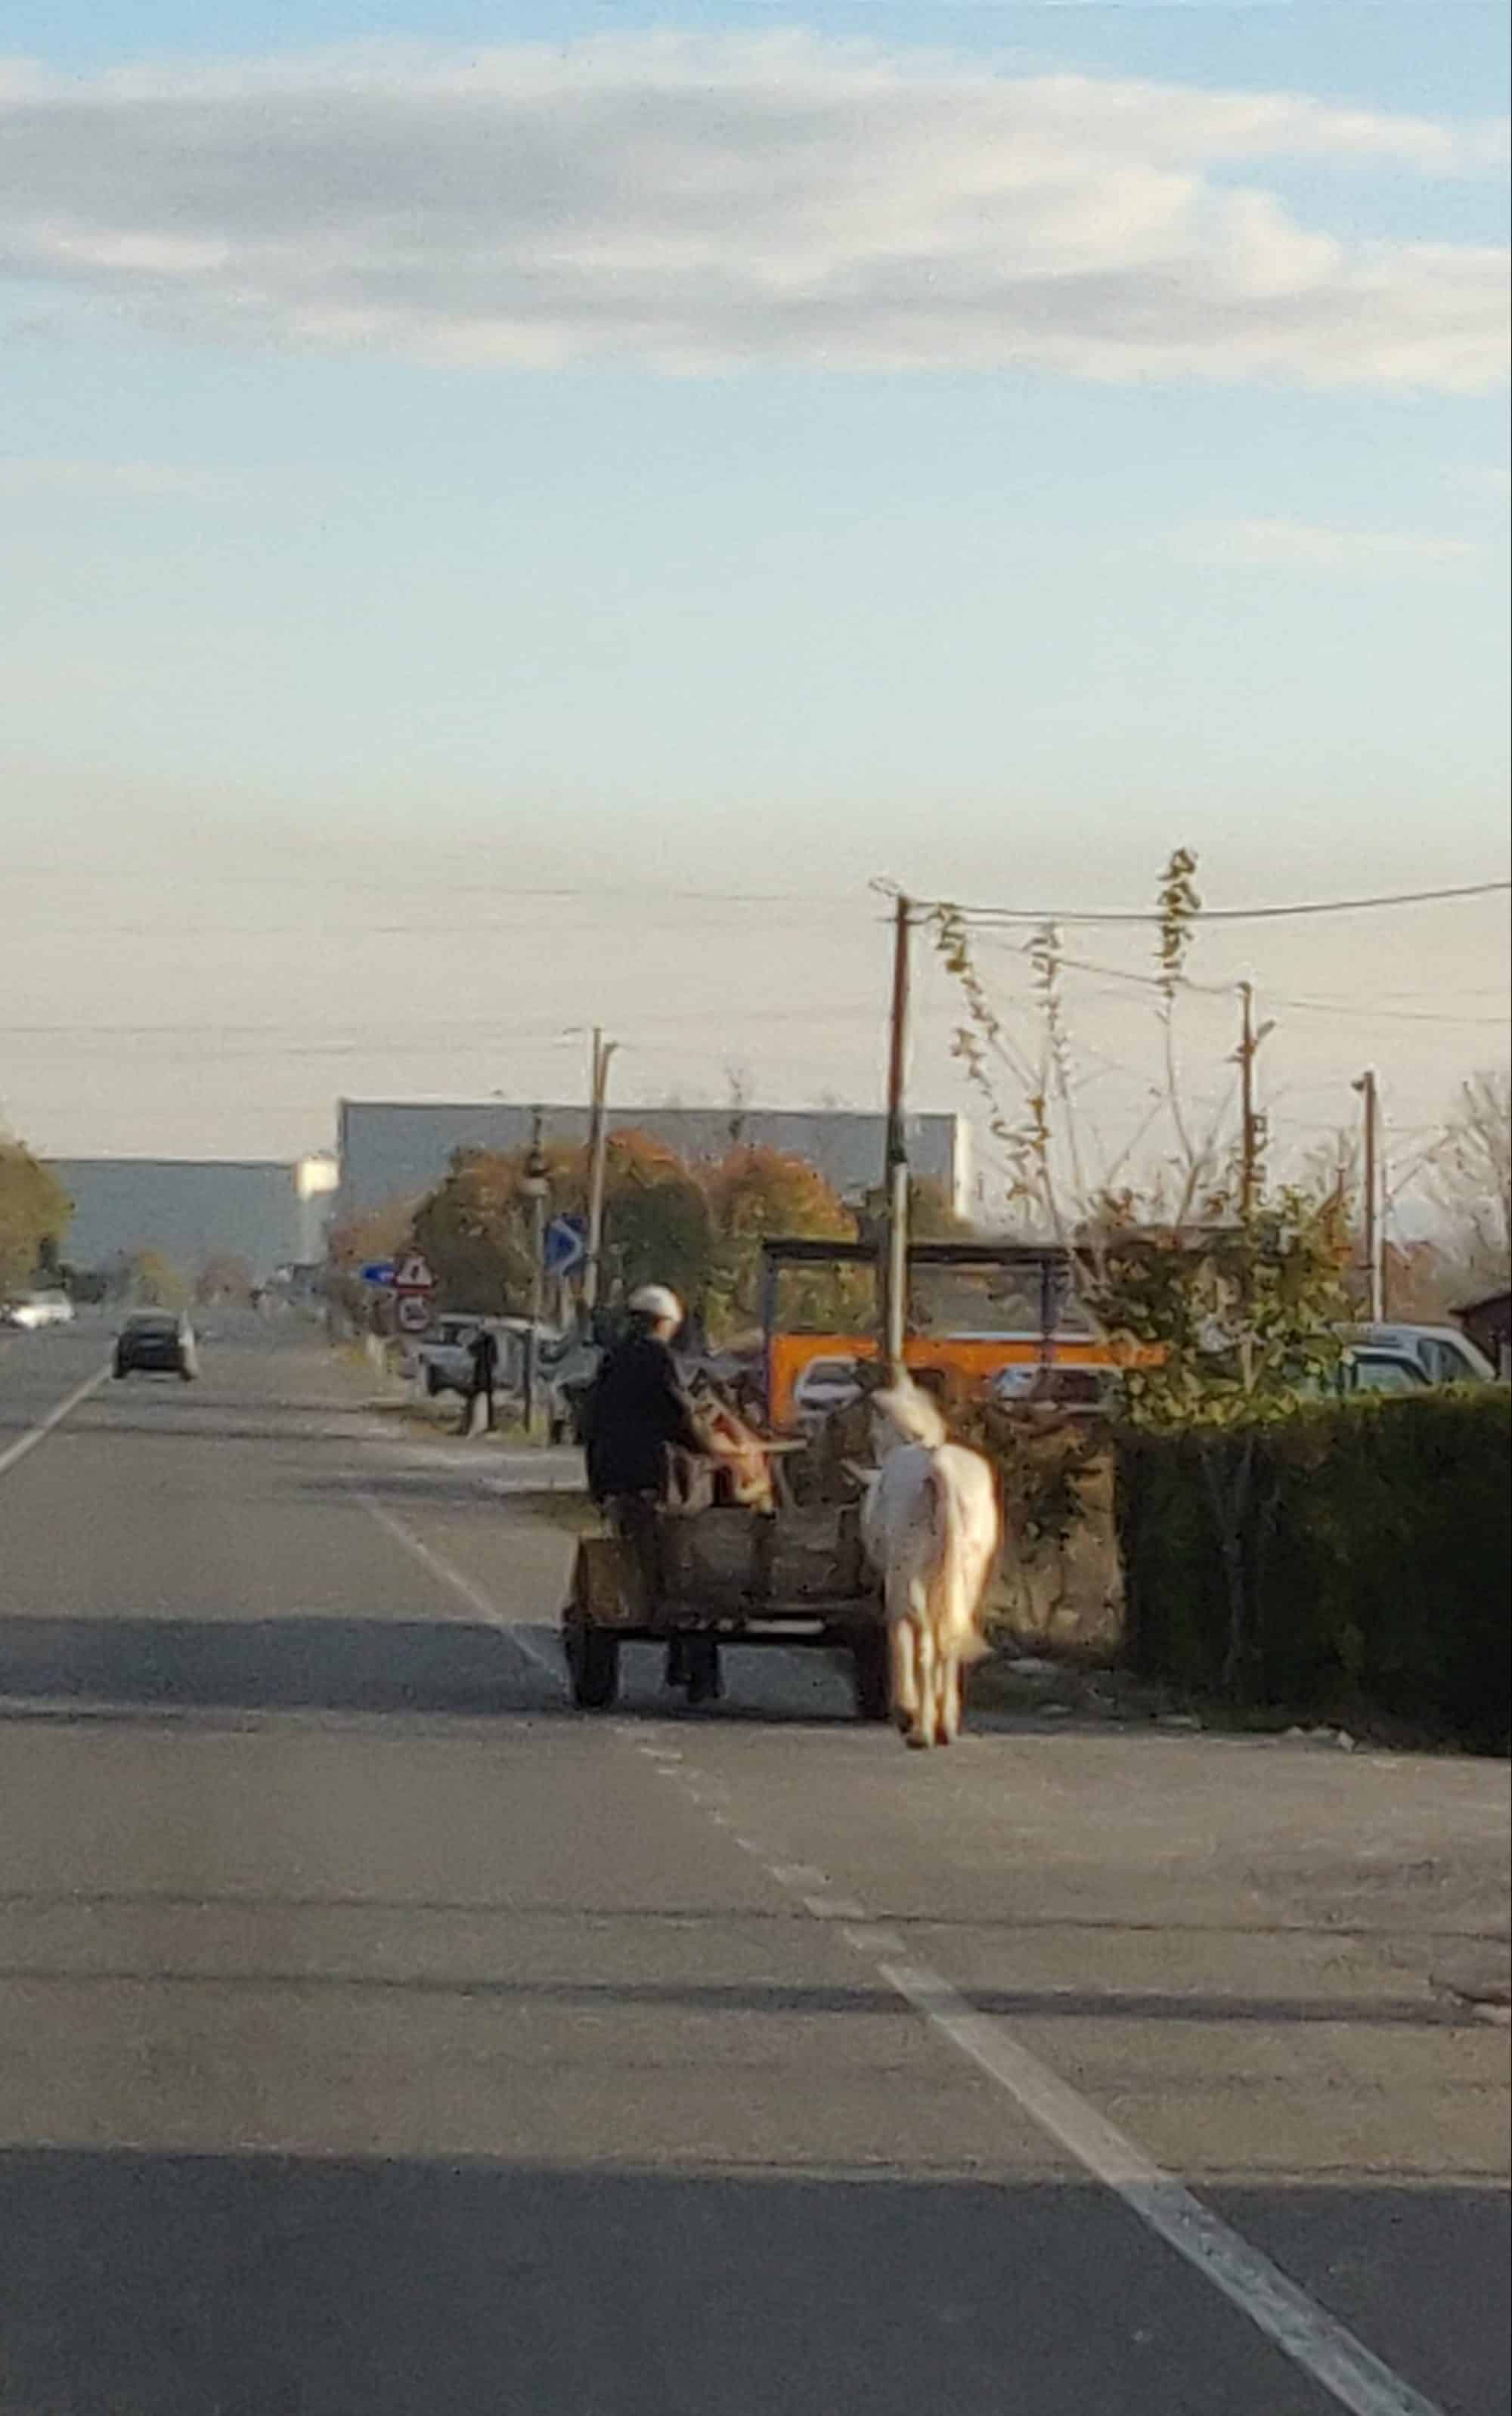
834	1907
38	1433
1324	2347
1281	2309
437	1564
881	1942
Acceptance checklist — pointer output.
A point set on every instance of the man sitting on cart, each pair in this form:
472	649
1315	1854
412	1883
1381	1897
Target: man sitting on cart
639	1411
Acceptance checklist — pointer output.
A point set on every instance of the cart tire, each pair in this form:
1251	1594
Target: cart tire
870	1678
592	1665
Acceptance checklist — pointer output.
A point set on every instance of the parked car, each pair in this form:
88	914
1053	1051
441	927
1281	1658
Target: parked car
1364	1370
155	1341
825	1385
1092	1391
34	1309
1445	1356
440	1362
444	1362
570	1374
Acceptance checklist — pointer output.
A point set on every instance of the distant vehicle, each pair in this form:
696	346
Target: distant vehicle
443	1362
440	1362
35	1309
1445	1354
155	1341
1093	1391
1368	1370
569	1373
825	1385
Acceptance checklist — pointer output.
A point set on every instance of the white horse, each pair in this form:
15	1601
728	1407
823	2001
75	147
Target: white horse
930	1528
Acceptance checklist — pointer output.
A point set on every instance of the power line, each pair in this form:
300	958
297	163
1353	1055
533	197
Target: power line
1019	915
1308	1005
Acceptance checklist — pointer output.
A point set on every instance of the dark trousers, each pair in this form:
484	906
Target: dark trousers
693	1661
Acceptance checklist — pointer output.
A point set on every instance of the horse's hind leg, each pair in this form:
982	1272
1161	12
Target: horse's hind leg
947	1697
921	1728
906	1674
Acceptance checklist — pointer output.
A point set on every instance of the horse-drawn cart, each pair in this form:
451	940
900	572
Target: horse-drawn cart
707	1576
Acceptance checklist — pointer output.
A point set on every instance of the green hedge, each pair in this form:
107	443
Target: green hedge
1375	1556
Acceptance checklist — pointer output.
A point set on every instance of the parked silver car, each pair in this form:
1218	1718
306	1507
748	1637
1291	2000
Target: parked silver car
443	1362
1445	1354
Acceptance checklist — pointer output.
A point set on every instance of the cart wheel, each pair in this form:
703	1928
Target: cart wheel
870	1678
592	1665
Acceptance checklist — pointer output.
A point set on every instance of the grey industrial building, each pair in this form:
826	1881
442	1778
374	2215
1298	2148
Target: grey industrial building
269	1213
398	1149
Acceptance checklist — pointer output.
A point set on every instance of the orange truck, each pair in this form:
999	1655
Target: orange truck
965	1361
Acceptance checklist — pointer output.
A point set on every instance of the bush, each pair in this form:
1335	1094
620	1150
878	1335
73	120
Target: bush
1374	1556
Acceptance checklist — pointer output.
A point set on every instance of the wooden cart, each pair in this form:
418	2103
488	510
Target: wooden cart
713	1576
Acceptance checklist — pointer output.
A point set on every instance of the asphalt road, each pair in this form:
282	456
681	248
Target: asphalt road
378	2037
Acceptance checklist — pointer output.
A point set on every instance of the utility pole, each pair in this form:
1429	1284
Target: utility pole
598	1161
895	1268
534	1187
1368	1090
1252	1123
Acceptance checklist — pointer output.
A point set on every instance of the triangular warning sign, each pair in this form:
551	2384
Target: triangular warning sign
412	1275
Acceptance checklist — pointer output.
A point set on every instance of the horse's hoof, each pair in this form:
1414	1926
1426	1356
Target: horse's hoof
916	1740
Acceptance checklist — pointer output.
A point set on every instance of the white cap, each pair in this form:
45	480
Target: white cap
657	1302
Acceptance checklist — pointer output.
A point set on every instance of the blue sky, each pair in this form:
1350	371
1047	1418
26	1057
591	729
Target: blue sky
979	445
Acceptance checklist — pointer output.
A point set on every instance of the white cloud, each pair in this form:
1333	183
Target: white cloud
708	204
50	474
1301	545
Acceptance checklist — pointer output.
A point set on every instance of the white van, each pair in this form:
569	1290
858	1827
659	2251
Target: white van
1445	1354
37	1309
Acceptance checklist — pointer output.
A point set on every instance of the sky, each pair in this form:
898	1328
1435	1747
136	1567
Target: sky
513	518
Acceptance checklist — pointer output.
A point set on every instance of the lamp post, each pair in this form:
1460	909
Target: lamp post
597	1149
536	1187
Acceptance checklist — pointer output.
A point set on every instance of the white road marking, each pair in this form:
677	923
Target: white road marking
869	1940
34	1435
1281	2309
476	1600
1301	2328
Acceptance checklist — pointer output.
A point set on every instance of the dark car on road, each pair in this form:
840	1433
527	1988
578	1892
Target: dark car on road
153	1341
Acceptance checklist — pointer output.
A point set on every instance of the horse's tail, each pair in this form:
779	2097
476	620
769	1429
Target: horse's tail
959	1565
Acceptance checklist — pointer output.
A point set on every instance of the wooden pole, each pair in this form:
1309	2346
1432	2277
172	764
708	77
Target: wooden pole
1252	1122
597	1160
895	1269
1371	1218
535	1190
1249	1149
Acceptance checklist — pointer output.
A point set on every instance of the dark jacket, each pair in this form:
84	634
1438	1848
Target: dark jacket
637	1410
483	1351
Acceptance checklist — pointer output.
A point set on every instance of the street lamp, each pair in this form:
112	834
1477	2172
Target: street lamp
536	1187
